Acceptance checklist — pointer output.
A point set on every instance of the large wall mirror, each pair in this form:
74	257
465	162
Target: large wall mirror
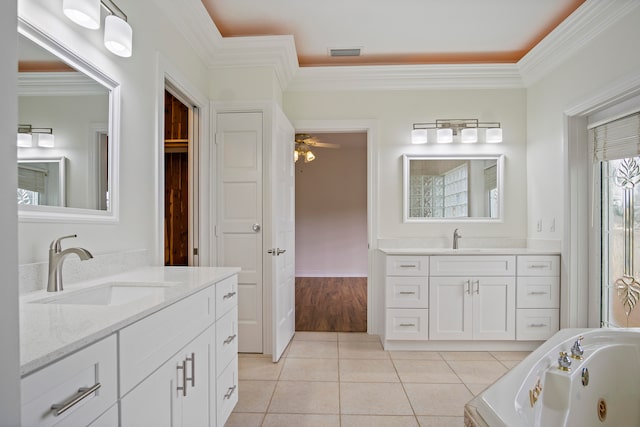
452	188
68	128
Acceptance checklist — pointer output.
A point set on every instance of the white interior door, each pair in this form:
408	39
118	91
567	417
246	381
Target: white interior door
239	234
283	234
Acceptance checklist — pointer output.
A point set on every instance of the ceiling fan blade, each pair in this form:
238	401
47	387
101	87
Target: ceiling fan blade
325	145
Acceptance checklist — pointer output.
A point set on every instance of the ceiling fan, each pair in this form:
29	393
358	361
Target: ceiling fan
304	142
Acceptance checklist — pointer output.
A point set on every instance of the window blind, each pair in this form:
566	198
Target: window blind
32	179
617	139
490	178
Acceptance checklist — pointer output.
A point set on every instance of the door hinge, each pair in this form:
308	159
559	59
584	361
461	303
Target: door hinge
195	251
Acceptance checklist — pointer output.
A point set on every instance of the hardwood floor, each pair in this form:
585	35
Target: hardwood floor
331	304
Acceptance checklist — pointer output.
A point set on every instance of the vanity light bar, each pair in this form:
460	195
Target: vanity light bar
44	136
446	129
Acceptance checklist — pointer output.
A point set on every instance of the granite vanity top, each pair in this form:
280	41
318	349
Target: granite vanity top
49	332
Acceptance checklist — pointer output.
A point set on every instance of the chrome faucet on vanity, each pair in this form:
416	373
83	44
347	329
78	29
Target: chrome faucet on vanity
456	237
56	258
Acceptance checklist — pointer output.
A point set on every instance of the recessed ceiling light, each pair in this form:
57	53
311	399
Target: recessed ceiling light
345	52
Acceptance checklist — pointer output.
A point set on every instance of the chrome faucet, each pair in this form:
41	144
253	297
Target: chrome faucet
576	350
56	258
456	237
564	363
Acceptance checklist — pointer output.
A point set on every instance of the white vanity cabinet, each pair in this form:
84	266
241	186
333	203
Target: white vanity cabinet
538	297
472	298
407	297
82	386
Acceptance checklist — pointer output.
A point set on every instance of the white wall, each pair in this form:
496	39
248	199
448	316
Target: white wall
153	36
9	350
331	209
395	112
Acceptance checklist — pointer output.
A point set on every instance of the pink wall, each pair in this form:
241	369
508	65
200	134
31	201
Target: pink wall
331	209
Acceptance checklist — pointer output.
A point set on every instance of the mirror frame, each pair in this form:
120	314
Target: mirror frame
66	214
407	158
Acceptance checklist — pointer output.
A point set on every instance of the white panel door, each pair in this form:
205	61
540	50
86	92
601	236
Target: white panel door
239	234
494	308
283	234
451	308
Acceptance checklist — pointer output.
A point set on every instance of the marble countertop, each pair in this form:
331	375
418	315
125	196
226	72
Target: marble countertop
467	251
49	332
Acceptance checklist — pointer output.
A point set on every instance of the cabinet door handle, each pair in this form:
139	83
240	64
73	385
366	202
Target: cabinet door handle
538	325
192	359
407	293
183	366
229	295
477	282
229	339
83	392
468	287
407	324
230	392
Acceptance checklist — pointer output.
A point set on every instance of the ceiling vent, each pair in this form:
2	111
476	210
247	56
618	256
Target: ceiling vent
345	52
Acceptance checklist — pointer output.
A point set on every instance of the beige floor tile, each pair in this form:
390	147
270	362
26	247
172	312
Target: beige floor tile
478	372
368	370
244	420
301	420
357	336
313	349
466	355
425	371
315	336
415	355
254	396
379	421
441	421
509	364
476	389
361	350
303	397
310	370
438	399
258	368
373	399
510	355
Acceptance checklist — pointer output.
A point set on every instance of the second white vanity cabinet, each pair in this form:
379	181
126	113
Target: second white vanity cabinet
472	298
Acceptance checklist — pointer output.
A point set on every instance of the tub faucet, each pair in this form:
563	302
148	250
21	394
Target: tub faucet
56	258
456	237
576	350
564	363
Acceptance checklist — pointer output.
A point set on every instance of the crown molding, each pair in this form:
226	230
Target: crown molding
70	83
581	27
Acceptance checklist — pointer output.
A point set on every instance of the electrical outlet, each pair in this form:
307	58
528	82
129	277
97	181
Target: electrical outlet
552	227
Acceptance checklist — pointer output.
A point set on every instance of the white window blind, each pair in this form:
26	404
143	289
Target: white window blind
32	179
617	139
490	178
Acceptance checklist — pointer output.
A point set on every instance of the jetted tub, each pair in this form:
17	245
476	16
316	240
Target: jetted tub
603	389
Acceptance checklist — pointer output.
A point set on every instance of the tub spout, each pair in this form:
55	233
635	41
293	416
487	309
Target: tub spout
577	351
564	363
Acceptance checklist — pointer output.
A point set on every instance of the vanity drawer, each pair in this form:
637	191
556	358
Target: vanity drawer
147	344
227	392
472	265
539	265
407	324
226	339
407	292
538	292
226	295
61	381
535	324
409	265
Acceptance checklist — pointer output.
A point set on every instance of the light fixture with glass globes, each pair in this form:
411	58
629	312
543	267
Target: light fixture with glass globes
302	151
118	35
43	137
456	130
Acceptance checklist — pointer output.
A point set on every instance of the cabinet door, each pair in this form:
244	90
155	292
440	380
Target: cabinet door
494	308
194	407
451	310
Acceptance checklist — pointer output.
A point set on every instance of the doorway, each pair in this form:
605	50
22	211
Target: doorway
180	183
331	232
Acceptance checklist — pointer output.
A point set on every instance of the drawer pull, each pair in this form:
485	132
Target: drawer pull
538	325
183	366
229	295
408	266
229	339
83	392
230	392
538	266
407	293
192	359
538	293
407	324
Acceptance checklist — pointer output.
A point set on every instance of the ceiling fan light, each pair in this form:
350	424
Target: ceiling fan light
309	156
296	155
118	36
85	13
493	135
419	136
445	136
469	135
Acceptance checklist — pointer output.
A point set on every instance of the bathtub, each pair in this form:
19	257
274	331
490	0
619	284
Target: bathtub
603	389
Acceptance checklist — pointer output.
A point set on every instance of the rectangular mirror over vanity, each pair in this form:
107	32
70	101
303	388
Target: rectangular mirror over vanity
452	187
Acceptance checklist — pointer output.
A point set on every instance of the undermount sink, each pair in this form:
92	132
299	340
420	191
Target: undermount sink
113	293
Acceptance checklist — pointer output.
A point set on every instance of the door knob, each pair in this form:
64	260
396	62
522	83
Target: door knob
280	251
256	227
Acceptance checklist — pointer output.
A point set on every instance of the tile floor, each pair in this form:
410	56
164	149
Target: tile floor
329	379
